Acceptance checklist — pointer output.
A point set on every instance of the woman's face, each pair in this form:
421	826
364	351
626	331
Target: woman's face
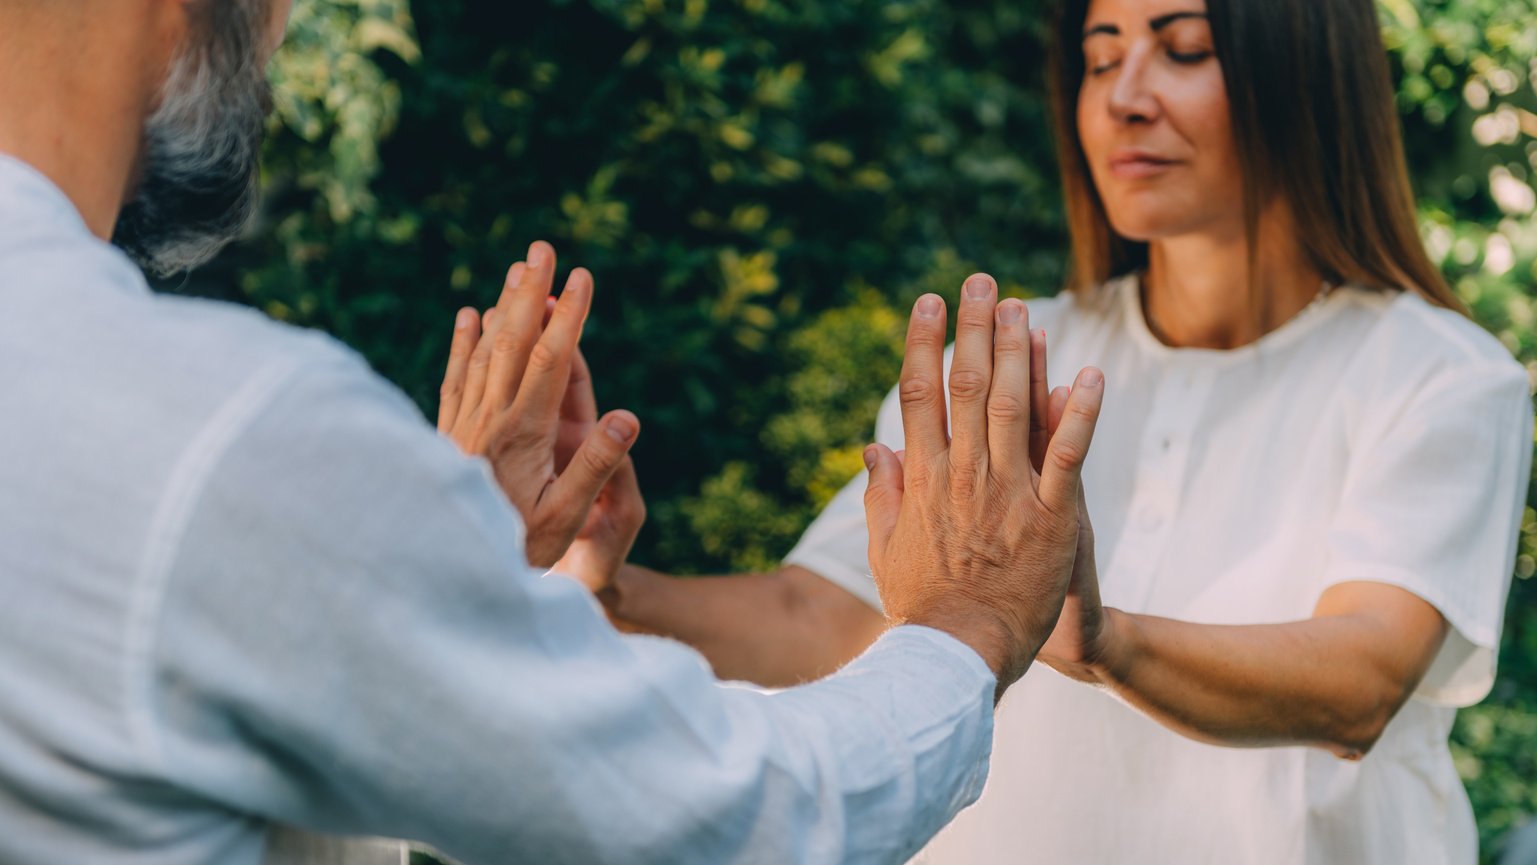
1153	119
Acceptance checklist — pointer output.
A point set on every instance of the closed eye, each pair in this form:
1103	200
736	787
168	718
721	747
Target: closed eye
1189	58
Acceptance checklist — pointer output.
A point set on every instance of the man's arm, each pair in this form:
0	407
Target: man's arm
350	642
775	629
344	635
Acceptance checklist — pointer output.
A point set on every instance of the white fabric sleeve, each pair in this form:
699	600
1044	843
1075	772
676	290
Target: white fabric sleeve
1433	504
348	639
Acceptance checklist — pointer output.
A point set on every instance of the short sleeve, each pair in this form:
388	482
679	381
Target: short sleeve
836	545
1432	503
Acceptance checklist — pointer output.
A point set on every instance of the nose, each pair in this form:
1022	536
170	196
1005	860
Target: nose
1132	99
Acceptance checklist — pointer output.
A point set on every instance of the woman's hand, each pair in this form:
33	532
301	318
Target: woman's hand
508	378
605	539
1080	643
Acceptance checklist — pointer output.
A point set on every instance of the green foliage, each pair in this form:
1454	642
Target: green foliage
760	186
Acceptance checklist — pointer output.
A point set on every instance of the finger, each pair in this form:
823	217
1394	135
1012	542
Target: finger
549	310
921	390
509	285
578	411
479	365
521	319
548	366
1040	400
466	335
572	494
1070	445
1055	408
883	498
579	403
1008	401
971	372
544	273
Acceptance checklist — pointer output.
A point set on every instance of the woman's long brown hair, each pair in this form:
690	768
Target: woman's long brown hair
1311	101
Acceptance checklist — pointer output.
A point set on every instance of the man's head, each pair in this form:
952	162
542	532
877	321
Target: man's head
196	185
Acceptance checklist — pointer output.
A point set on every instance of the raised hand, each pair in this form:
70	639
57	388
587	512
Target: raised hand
1081	637
966	535
508	376
604	541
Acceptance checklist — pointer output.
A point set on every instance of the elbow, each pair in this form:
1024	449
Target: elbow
1356	731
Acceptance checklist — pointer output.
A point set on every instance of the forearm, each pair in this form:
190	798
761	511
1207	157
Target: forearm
1320	682
776	629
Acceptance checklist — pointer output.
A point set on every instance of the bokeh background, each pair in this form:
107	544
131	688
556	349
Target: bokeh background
762	187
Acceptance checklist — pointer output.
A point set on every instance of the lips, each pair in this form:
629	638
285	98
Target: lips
1133	164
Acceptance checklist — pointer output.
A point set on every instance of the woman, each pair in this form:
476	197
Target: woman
1306	484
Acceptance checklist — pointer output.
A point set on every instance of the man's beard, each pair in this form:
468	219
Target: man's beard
197	187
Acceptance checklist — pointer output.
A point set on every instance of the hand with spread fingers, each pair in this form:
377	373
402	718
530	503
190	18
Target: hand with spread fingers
518	393
967	535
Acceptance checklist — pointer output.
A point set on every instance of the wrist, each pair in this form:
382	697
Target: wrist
988	636
1120	645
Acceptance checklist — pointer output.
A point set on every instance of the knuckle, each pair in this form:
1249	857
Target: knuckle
967	384
1066	455
926	337
919	390
1006	408
543	358
451	389
598	459
507	340
965	481
1011	345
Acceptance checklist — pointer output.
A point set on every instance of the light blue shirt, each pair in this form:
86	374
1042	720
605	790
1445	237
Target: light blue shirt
242	582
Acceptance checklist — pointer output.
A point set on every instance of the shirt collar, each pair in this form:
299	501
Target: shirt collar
28	196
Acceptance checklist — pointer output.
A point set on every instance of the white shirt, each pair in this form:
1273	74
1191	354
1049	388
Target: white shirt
242	582
1374	437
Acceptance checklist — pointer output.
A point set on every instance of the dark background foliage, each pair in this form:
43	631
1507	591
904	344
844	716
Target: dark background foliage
761	188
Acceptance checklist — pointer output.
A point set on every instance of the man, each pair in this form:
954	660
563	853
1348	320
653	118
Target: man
246	585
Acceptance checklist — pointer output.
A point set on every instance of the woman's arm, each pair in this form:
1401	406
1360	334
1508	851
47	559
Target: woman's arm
774	629
1332	681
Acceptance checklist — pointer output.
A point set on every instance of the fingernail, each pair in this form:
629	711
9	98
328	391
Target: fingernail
870	458
1038	337
536	257
465	319
929	306
979	288
1009	313
1093	378
620	429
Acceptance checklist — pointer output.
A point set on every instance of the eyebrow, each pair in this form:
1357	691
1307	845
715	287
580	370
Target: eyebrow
1157	24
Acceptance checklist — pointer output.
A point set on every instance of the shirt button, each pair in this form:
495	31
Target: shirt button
1149	518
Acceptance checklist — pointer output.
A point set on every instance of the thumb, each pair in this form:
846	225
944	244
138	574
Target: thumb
883	497
602	454
1069	445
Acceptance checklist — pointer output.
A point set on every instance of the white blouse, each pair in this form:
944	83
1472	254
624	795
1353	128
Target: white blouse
1373	437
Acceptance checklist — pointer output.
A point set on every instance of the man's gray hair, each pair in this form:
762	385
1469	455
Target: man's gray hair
197	187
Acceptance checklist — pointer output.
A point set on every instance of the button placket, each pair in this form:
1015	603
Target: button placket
1165	452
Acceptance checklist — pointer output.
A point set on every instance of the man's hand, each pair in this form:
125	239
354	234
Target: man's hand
507	379
965	534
